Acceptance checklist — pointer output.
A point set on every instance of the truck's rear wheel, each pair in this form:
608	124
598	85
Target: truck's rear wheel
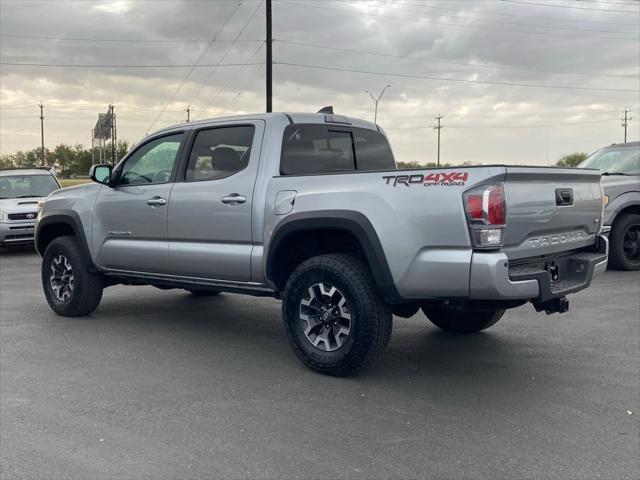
335	319
70	288
461	320
625	242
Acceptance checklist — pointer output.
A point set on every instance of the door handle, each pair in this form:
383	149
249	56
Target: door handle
156	201
234	198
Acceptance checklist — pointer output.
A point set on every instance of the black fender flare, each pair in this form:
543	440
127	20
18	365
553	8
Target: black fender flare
350	221
63	217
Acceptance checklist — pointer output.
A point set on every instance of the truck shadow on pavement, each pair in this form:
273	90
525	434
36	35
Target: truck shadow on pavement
237	324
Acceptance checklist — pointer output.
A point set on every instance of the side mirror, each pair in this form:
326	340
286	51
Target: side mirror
100	173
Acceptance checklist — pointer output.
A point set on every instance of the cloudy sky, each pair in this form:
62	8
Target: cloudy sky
517	81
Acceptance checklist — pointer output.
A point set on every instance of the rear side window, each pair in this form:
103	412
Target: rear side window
372	150
220	152
309	149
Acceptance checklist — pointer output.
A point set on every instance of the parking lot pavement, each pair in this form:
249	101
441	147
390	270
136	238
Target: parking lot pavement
158	384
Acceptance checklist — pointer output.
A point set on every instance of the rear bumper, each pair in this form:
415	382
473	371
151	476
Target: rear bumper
15	233
494	277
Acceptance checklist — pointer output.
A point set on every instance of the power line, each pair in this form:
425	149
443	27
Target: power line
438	60
210	76
84	65
460	14
233	77
209	45
567	124
537	17
570	6
426	77
116	40
440	22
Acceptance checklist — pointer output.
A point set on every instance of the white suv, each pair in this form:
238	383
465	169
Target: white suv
20	191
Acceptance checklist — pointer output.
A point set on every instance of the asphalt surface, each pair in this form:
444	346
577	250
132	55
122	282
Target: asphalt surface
157	384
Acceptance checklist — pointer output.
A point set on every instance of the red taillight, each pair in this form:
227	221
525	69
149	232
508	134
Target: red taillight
486	210
474	206
496	211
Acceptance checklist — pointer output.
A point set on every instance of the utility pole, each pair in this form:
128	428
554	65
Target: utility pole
93	150
376	100
625	123
188	113
113	136
42	159
269	59
438	128
547	135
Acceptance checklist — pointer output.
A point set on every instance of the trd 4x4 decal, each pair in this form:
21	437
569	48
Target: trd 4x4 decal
443	179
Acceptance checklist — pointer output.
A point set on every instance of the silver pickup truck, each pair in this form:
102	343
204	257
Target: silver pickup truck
311	208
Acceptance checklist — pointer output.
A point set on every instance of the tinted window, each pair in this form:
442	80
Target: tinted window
316	149
372	150
22	186
220	152
151	163
308	149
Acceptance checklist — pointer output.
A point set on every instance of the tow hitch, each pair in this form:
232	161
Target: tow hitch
555	305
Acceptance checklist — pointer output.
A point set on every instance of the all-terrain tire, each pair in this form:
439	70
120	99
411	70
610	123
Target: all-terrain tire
64	253
370	317
625	229
461	321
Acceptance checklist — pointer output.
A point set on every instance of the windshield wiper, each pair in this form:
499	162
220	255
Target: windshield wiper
614	173
28	196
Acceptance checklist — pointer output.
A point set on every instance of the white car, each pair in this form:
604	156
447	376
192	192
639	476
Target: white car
21	190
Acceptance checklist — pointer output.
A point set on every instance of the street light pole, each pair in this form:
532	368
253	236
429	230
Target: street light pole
376	100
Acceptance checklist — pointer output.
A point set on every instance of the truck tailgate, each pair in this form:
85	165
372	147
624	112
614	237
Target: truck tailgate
551	210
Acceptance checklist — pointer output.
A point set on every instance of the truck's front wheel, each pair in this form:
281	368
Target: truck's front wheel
70	287
461	320
335	319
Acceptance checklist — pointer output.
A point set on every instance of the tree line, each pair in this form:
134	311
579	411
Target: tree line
75	160
67	160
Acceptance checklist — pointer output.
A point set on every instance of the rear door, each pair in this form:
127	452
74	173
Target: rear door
210	209
129	230
551	210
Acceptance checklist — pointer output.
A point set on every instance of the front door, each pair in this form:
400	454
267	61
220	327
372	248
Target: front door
210	211
129	230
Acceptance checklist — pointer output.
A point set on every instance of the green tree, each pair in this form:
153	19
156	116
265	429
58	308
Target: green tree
6	161
418	165
571	159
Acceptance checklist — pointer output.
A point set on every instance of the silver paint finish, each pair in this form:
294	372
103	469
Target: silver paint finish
210	222
127	209
422	229
536	225
489	279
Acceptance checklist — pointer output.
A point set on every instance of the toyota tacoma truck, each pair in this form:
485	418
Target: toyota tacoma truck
311	209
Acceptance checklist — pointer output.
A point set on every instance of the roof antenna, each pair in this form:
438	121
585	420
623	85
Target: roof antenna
328	109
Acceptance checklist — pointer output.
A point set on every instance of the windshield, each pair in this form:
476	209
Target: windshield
23	186
620	160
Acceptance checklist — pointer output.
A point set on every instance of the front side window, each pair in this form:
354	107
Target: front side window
220	152
25	186
152	163
309	149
